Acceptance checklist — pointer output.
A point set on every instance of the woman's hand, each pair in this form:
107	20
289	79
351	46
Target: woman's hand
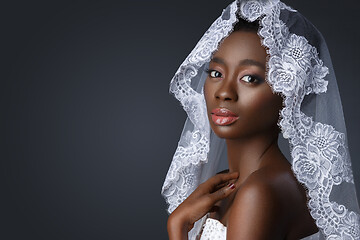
199	203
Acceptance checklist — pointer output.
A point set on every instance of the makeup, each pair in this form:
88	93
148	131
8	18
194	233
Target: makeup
223	116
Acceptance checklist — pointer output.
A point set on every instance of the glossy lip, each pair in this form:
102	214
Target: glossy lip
223	116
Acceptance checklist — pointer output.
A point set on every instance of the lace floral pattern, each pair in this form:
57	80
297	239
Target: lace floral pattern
294	71
213	229
182	177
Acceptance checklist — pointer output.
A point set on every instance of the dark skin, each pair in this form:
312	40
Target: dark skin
266	201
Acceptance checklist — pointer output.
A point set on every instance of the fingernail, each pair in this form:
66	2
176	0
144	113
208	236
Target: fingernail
231	185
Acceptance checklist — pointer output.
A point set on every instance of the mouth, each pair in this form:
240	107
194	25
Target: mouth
223	116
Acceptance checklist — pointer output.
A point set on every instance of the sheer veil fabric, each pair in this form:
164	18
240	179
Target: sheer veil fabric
299	68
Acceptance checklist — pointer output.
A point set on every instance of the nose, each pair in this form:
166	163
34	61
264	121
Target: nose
227	91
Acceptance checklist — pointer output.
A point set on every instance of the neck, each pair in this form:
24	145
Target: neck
246	155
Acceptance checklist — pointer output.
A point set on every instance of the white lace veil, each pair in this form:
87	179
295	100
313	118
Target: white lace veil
311	121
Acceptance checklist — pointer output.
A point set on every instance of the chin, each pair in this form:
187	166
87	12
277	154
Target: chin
226	132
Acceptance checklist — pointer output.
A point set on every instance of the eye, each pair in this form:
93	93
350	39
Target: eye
249	79
214	73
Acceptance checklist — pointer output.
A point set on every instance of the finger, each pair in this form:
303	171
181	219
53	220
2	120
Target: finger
222	178
223	192
221	185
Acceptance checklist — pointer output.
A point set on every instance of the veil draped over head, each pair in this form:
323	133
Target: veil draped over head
299	68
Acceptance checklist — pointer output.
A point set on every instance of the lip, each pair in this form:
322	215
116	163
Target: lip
223	116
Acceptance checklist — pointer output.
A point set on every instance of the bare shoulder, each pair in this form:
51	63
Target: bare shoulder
261	206
273	185
260	187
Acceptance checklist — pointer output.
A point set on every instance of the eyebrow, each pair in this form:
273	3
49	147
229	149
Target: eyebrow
244	62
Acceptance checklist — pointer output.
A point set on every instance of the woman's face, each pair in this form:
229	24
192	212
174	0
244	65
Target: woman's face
240	103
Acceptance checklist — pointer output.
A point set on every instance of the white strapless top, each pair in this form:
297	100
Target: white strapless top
214	229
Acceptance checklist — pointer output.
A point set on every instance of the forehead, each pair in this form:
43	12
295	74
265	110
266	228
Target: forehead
241	45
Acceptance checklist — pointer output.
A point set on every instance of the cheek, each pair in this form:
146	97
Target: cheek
208	92
262	106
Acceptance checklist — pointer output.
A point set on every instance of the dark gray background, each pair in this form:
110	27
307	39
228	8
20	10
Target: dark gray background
88	127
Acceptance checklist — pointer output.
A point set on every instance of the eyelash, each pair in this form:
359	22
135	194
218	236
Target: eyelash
209	71
257	79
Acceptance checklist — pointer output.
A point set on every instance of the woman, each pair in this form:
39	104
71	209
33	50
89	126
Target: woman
249	78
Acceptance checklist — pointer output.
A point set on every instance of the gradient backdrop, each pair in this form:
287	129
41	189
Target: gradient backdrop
88	128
